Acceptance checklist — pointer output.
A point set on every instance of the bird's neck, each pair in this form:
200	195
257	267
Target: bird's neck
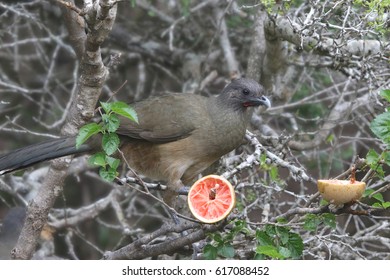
230	124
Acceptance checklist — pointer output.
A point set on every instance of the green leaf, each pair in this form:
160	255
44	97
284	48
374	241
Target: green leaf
86	132
285	252
323	202
226	251
239	225
311	222
385	94
329	219
379	197
386	204
380	126
229	236
330	138
283	234
386	157
270	251
263	158
368	192
292	242
270	230
124	110
106	107
263	238
186	7
379	171
108	174
295	245
372	157
112	162
110	143
111	122
217	237
378	205
259	257
210	252
98	159
282	220
274	173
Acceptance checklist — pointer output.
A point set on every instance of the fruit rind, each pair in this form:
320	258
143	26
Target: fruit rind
216	209
340	191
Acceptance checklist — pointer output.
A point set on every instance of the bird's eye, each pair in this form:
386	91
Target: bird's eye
245	91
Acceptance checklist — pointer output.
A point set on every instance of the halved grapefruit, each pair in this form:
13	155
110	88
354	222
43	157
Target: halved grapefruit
211	199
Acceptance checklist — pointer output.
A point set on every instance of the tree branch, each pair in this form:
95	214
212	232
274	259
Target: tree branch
92	77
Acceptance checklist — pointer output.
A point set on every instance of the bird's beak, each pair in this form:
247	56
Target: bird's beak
257	101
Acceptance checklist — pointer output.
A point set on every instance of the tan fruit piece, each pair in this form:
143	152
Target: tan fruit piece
341	191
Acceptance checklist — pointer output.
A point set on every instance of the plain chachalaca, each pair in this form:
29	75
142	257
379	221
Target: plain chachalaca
177	137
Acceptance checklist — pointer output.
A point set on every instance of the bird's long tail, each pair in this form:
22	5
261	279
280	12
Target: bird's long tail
36	153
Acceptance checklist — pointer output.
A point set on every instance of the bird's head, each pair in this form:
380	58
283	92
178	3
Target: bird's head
244	93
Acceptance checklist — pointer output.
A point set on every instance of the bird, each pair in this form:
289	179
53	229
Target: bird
176	138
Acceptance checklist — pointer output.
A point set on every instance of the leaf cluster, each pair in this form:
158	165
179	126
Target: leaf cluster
272	242
379	201
110	140
375	13
313	221
278	242
221	245
380	126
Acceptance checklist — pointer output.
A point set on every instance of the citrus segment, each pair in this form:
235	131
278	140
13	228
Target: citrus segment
211	198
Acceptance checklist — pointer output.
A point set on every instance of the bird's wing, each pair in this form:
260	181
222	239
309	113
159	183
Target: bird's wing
163	119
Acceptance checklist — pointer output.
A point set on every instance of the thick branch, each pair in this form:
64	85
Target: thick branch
285	29
92	77
257	50
224	41
76	27
144	247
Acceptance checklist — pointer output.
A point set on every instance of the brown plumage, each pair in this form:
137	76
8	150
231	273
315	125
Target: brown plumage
177	137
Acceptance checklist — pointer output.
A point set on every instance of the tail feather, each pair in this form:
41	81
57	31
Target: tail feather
36	153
